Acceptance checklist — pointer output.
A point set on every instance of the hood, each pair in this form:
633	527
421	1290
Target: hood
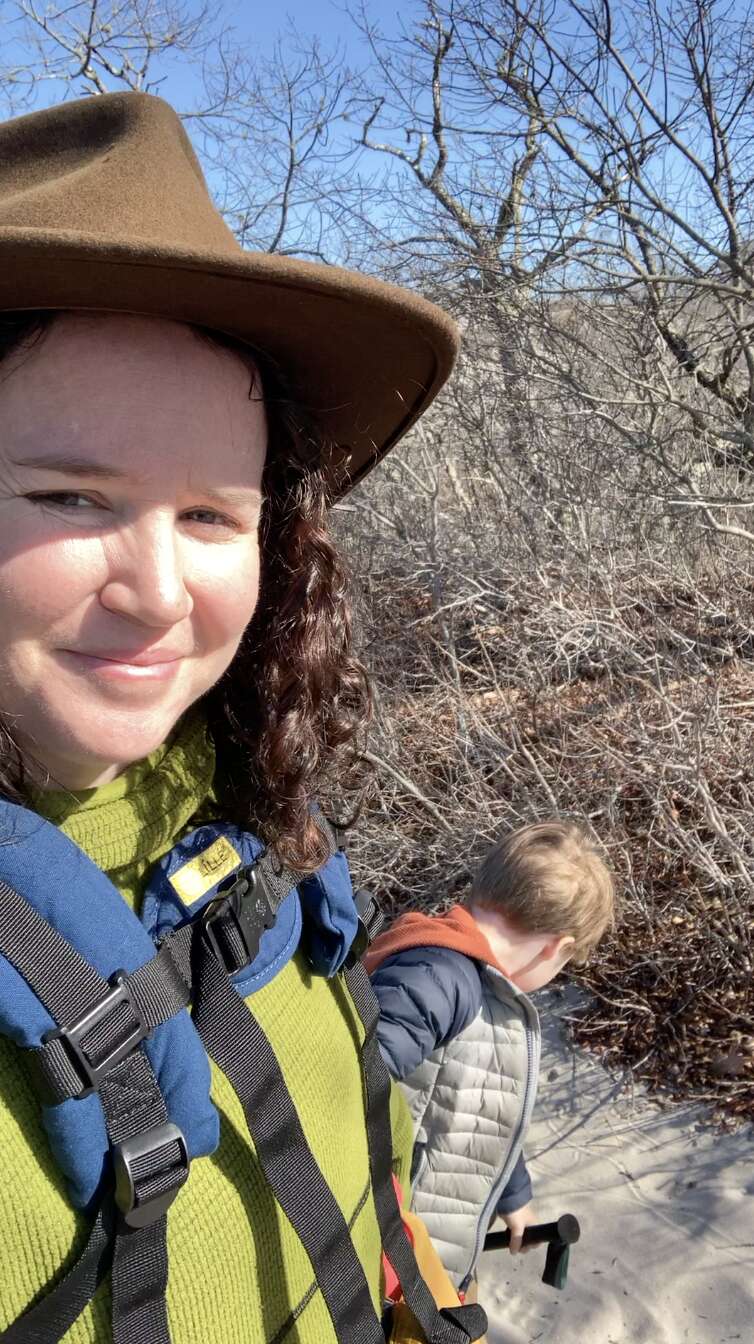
457	930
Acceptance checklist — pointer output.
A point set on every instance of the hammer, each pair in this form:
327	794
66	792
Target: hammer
559	1236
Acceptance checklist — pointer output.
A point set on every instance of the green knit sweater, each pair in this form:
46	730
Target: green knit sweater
238	1274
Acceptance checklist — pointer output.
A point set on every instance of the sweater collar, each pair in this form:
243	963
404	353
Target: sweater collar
139	814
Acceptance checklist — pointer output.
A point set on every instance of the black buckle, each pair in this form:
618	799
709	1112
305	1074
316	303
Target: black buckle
72	1037
241	904
371	920
134	1169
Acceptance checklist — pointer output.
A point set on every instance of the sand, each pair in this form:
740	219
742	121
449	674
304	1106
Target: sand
666	1207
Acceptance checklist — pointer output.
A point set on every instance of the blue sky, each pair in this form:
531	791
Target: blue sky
323	17
259	24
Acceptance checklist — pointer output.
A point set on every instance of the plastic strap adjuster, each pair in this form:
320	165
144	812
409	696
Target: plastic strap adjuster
140	1163
72	1037
371	920
241	908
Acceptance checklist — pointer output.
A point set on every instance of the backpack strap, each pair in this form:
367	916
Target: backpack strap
237	1043
371	921
150	1157
235	1040
48	1321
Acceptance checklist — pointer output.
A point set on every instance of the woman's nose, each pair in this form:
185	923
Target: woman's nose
147	580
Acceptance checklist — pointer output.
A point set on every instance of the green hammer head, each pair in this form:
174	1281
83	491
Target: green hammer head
556	1264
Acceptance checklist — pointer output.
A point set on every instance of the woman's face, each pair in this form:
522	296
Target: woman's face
131	459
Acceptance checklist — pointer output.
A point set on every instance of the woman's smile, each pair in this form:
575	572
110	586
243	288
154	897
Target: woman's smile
138	669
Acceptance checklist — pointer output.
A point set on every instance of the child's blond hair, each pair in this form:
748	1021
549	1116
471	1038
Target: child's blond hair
549	878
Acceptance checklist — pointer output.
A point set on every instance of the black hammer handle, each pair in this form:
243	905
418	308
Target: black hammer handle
566	1230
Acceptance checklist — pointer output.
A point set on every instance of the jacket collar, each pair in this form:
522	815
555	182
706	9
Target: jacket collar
456	929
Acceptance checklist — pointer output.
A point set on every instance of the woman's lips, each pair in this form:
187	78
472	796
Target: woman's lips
152	666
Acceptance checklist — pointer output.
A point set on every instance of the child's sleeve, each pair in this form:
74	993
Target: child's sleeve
427	996
518	1190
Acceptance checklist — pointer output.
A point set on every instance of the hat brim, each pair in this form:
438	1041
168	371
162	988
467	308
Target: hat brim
363	358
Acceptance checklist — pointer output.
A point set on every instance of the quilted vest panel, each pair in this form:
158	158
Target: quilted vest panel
471	1100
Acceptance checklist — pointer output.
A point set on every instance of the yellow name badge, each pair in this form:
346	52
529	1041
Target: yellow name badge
196	877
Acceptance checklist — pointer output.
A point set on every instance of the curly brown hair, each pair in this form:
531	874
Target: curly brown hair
293	705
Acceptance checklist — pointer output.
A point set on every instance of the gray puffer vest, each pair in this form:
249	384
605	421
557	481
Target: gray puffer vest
471	1101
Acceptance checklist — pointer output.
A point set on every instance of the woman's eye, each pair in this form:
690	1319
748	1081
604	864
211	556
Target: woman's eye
210	518
74	501
65	499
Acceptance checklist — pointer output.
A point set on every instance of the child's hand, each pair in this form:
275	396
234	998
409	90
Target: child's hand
516	1222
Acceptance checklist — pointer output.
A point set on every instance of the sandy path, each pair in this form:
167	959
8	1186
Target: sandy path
666	1210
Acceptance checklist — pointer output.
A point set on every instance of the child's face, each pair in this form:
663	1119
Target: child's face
530	960
542	970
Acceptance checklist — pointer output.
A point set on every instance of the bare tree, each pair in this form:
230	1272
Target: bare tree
269	131
566	538
94	46
265	125
578	180
647	113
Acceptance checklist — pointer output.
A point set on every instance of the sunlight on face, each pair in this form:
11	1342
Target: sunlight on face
530	960
131	459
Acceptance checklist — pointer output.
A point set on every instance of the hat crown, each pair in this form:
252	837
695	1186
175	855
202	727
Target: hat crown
103	208
114	166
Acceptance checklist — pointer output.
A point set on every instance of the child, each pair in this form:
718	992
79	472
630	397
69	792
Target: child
459	1032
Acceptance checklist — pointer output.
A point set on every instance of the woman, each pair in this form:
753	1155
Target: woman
176	680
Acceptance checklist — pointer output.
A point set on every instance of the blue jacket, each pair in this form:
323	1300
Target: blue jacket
427	996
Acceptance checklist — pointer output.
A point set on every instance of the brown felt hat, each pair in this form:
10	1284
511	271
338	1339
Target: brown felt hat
103	206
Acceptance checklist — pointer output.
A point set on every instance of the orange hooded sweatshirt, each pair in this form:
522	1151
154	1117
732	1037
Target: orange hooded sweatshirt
457	930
